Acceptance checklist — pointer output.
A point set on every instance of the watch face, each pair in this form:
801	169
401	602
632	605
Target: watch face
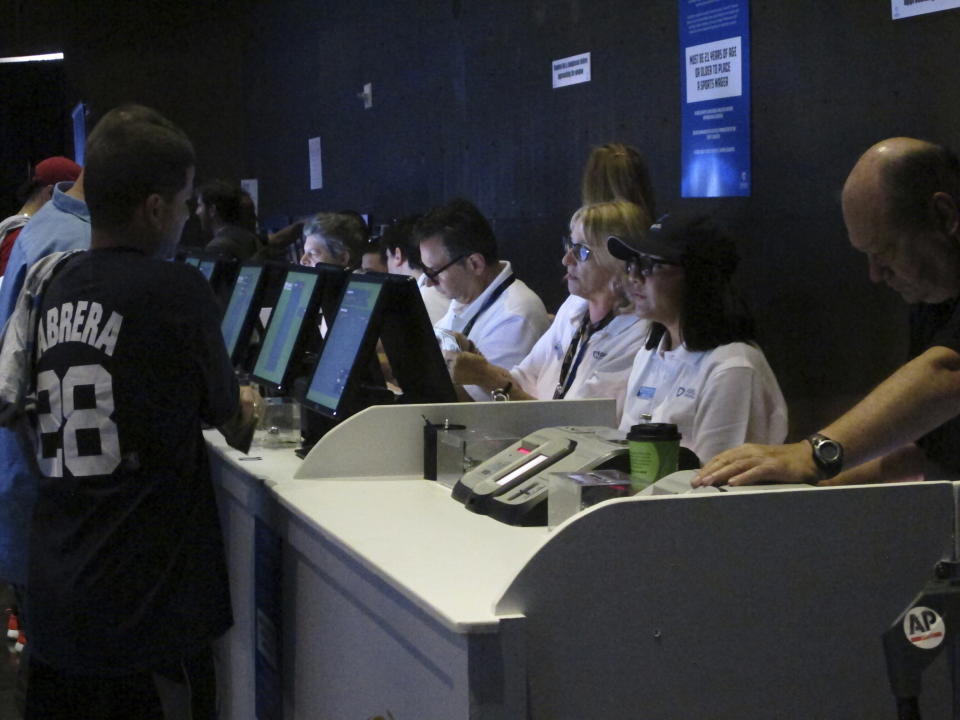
828	451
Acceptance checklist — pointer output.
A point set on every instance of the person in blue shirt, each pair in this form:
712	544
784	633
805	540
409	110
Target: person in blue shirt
61	224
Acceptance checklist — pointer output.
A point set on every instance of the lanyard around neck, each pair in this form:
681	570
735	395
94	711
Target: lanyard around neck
491	299
575	352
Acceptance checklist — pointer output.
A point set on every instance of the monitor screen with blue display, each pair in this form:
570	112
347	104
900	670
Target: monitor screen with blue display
376	307
207	266
343	343
294	307
293	336
241	314
219	270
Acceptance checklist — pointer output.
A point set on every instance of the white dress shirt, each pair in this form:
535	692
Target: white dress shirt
607	361
505	331
718	398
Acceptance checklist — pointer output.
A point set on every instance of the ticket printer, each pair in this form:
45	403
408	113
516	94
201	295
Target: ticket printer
512	486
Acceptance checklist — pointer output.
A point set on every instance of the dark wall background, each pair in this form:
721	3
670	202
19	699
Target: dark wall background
182	57
463	106
31	125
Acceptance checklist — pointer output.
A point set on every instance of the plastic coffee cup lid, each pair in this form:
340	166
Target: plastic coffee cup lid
654	432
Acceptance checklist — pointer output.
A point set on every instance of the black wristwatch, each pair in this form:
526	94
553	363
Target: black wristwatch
827	454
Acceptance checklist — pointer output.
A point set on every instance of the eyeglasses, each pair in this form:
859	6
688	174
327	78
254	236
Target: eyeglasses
580	251
434	274
645	265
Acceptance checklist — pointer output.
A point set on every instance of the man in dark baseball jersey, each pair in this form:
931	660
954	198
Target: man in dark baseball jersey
127	582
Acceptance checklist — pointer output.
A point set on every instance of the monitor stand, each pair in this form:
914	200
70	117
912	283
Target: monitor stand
314	425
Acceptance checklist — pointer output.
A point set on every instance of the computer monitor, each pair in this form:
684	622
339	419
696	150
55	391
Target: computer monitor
292	330
205	262
386	307
207	266
241	315
219	270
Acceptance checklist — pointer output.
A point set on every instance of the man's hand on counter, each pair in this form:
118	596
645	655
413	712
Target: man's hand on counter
750	464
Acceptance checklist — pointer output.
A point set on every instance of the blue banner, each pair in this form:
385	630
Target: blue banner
715	98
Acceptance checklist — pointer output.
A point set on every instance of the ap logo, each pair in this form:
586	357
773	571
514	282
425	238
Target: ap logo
924	627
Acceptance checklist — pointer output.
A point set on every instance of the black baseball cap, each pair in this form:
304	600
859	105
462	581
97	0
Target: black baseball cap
668	238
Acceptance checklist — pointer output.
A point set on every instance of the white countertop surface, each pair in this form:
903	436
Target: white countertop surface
450	562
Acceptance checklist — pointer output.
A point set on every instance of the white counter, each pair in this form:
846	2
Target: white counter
396	599
386	560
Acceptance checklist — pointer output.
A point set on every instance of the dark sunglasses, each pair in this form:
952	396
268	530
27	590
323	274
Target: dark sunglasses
580	251
646	265
434	274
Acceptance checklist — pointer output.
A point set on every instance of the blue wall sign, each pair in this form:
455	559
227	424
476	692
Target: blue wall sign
715	98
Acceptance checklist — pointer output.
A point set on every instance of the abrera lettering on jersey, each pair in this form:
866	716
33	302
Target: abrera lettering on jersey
78	322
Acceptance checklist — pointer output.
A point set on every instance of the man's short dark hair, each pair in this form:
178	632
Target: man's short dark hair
911	180
462	228
224	196
132	153
248	212
376	246
28	190
399	236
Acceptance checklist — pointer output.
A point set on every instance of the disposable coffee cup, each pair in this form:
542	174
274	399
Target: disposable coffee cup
653	453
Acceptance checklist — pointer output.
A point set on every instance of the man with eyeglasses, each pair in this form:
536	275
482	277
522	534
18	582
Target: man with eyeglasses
489	305
901	206
403	258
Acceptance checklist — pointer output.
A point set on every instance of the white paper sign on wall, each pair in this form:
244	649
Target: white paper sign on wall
571	70
714	70
316	164
908	8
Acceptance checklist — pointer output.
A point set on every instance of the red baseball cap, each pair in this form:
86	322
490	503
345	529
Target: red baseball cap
54	170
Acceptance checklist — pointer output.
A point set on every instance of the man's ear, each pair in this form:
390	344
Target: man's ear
475	263
946	212
152	210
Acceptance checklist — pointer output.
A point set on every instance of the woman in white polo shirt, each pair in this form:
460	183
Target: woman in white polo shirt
588	350
700	367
